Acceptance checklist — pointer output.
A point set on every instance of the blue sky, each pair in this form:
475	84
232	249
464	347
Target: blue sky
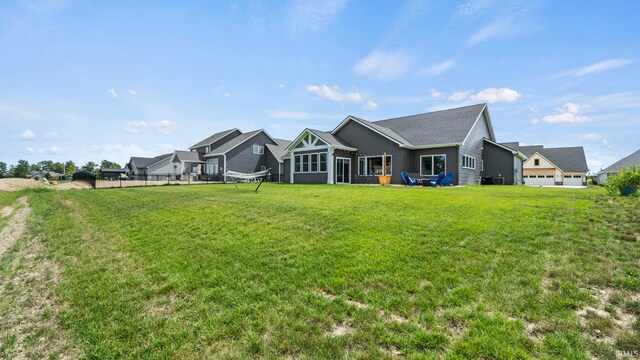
87	80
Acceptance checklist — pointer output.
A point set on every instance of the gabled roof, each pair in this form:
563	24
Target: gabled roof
189	156
507	148
631	160
213	138
386	132
451	126
325	137
144	162
278	151
570	159
236	141
527	150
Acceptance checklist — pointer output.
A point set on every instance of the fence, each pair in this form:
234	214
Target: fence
86	177
164	179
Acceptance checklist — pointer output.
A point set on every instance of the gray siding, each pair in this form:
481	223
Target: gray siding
370	143
287	171
242	159
451	164
310	178
499	162
218	142
354	163
274	165
473	147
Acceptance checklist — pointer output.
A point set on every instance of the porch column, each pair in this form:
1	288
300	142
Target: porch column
330	165
292	162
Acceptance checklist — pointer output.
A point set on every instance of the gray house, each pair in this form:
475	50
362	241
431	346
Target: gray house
613	169
451	141
156	168
233	150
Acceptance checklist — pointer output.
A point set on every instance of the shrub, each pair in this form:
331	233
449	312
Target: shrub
629	177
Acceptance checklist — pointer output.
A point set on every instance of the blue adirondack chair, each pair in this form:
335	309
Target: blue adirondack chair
438	180
447	181
408	180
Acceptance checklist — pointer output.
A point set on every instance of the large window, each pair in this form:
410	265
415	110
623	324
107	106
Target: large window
372	165
432	164
468	162
258	149
212	166
310	163
323	162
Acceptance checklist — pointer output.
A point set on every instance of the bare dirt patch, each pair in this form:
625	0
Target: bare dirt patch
163	305
6	211
71	185
14	184
341	329
17	226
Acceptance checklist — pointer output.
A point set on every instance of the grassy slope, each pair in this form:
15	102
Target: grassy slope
211	270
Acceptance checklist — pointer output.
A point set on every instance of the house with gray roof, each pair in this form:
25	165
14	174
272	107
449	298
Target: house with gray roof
561	166
614	169
155	168
450	141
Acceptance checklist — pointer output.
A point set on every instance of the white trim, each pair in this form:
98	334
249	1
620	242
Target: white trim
542	156
300	138
224	158
487	118
433	164
374	156
317	162
411	147
350	170
345	121
471	159
259	147
330	166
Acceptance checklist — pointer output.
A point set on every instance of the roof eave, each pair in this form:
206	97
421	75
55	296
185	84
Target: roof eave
419	147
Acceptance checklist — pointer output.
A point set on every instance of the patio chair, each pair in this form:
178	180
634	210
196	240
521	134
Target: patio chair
438	180
448	180
408	180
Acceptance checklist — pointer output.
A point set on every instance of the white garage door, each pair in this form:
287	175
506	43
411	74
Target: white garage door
539	180
574	180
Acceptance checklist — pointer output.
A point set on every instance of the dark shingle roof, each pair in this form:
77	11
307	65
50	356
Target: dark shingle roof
278	150
190	156
233	143
143	162
449	126
631	160
213	138
567	158
329	138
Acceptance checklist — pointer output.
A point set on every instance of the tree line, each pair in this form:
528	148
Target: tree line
23	169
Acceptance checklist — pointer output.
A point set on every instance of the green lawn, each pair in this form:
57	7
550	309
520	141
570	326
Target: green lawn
340	271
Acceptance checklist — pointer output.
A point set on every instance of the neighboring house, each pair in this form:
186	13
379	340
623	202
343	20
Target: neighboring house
111	174
185	163
563	166
450	141
39	175
156	168
233	150
613	169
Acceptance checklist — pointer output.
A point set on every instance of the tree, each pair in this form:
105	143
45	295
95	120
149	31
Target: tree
35	167
21	170
90	167
3	169
57	167
106	164
46	165
70	167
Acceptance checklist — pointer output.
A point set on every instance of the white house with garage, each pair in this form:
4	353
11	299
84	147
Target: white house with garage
563	166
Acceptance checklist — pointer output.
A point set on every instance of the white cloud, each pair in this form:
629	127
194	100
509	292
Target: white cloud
226	95
113	93
299	115
493	95
48	150
161	126
313	16
472	9
44	7
435	94
371	105
335	94
281	86
133	92
385	65
27	135
602	66
512	19
436	69
569	113
459	96
51	135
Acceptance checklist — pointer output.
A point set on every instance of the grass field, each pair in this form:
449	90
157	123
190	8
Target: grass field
330	272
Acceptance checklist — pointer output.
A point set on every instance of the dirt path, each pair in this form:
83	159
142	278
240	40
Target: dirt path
17	225
29	306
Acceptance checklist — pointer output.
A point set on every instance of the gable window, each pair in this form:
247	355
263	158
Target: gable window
314	162
372	165
322	162
297	163
536	162
258	149
468	162
433	164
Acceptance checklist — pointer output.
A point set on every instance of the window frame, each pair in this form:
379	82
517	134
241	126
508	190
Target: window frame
312	162
433	164
326	156
536	162
297	163
258	150
468	162
366	165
